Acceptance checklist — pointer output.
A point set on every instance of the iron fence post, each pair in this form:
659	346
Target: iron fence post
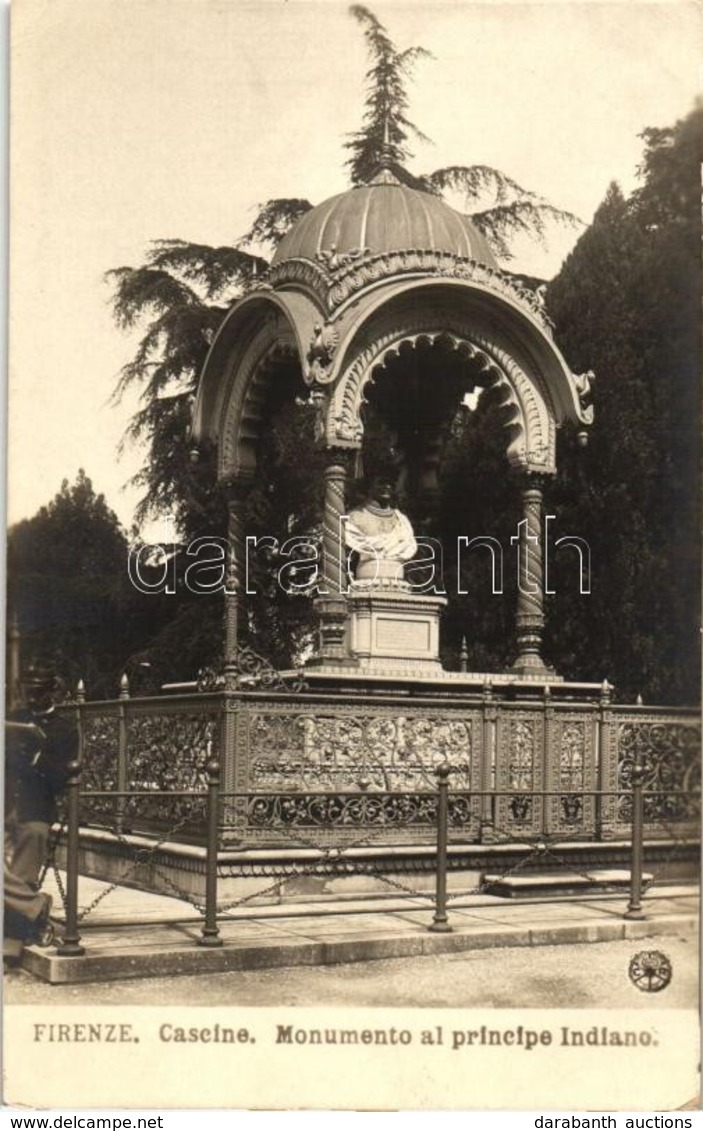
210	934
122	776
634	907
70	945
439	920
606	807
487	782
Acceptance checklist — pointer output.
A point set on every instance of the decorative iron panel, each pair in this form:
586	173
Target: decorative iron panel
374	764
669	752
519	771
572	771
101	740
168	751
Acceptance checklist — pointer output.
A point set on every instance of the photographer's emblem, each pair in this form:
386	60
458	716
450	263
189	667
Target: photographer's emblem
650	971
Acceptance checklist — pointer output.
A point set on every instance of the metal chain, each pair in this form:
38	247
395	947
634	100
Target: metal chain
329	855
140	856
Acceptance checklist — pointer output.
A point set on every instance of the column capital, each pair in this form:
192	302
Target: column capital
528	479
339	457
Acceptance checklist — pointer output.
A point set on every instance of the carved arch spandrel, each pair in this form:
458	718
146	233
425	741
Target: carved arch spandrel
530	424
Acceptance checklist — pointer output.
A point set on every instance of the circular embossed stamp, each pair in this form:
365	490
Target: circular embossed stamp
650	971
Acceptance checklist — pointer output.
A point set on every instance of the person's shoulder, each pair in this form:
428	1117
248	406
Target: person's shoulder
57	723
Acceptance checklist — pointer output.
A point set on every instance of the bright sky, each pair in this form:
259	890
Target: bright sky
139	119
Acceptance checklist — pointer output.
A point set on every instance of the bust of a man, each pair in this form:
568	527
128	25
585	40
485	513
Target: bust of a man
381	535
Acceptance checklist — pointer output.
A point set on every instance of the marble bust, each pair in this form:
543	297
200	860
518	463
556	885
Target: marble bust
381	535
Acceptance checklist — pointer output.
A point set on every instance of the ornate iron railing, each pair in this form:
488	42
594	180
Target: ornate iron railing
539	765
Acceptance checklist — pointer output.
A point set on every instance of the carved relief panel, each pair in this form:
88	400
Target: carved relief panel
375	768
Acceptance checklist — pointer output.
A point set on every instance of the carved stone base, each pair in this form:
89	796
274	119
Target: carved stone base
249	874
532	665
333	626
395	629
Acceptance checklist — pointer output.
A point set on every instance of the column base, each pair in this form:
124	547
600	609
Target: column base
440	927
532	664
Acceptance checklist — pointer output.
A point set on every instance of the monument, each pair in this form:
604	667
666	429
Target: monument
382	293
386	277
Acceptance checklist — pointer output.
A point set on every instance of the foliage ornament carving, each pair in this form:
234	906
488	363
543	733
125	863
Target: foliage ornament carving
342	751
582	384
302	272
334	259
336	276
530	423
321	354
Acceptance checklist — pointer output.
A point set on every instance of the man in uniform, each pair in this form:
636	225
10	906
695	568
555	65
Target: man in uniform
40	744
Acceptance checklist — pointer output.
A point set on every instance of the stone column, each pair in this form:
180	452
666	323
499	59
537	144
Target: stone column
333	552
236	496
331	606
530	601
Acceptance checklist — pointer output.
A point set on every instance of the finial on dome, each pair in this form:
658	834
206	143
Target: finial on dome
383	173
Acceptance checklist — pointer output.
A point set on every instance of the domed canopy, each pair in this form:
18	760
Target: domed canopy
381	217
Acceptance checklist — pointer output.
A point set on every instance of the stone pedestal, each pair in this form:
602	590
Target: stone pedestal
393	629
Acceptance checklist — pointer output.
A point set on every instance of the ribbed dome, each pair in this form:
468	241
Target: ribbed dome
384	216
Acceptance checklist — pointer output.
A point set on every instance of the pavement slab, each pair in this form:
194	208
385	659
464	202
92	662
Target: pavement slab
146	936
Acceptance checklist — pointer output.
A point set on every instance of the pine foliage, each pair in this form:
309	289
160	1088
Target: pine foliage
383	136
626	305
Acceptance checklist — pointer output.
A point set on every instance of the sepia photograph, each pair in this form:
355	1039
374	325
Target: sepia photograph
353	576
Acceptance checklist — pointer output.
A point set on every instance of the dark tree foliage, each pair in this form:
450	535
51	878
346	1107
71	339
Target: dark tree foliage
273	220
68	586
626	305
498	206
479	499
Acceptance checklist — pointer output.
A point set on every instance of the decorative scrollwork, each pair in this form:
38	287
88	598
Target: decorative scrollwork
572	808
99	765
170	751
303	272
249	670
352	810
571	759
521	754
669	752
237	449
337	276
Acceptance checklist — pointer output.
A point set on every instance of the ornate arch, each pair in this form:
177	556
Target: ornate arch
530	424
242	417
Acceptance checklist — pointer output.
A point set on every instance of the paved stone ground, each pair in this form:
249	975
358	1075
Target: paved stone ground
592	975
